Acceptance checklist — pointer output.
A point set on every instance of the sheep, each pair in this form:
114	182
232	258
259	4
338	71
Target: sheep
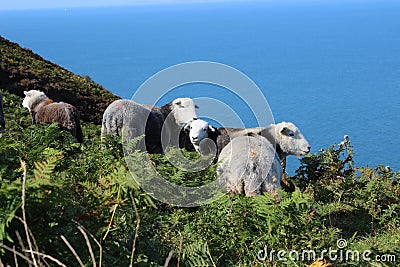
284	136
249	165
2	122
43	109
159	124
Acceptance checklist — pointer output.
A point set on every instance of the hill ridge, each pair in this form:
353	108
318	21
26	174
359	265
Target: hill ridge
22	70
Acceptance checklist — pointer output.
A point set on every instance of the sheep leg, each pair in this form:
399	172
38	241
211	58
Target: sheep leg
33	117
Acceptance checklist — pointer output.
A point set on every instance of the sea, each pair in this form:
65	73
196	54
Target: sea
330	67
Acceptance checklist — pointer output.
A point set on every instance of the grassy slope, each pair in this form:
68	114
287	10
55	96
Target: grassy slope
91	185
21	69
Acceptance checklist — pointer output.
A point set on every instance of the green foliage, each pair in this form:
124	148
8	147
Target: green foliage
178	175
197	254
234	229
71	185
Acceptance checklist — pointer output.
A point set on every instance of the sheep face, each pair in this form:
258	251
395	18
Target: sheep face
32	97
183	110
290	139
199	131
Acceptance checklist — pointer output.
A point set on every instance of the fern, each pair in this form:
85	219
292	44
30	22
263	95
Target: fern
10	193
44	169
197	254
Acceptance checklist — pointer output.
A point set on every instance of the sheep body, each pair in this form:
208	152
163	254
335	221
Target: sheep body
249	165
43	109
122	113
158	124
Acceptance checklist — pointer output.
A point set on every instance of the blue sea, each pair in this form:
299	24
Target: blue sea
331	67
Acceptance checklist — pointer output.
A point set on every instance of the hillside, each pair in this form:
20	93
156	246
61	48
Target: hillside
63	203
21	69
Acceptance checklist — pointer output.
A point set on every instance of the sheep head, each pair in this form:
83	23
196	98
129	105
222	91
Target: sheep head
183	110
32	97
198	130
290	139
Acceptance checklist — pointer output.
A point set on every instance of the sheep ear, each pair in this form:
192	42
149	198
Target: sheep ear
26	93
284	130
287	131
187	127
196	106
178	103
212	129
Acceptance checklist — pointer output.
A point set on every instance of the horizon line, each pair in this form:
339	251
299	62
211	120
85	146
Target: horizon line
65	5
68	5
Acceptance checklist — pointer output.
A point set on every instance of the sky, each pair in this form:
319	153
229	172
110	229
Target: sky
40	4
65	4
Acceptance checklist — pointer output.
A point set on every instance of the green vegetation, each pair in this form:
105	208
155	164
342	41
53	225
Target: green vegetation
71	187
65	203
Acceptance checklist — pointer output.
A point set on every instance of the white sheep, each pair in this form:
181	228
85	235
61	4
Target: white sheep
249	165
160	125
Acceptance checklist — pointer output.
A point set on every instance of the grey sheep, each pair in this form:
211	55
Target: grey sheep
160	125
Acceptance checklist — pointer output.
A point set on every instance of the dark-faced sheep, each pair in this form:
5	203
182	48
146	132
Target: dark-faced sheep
160	125
43	109
284	136
249	165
